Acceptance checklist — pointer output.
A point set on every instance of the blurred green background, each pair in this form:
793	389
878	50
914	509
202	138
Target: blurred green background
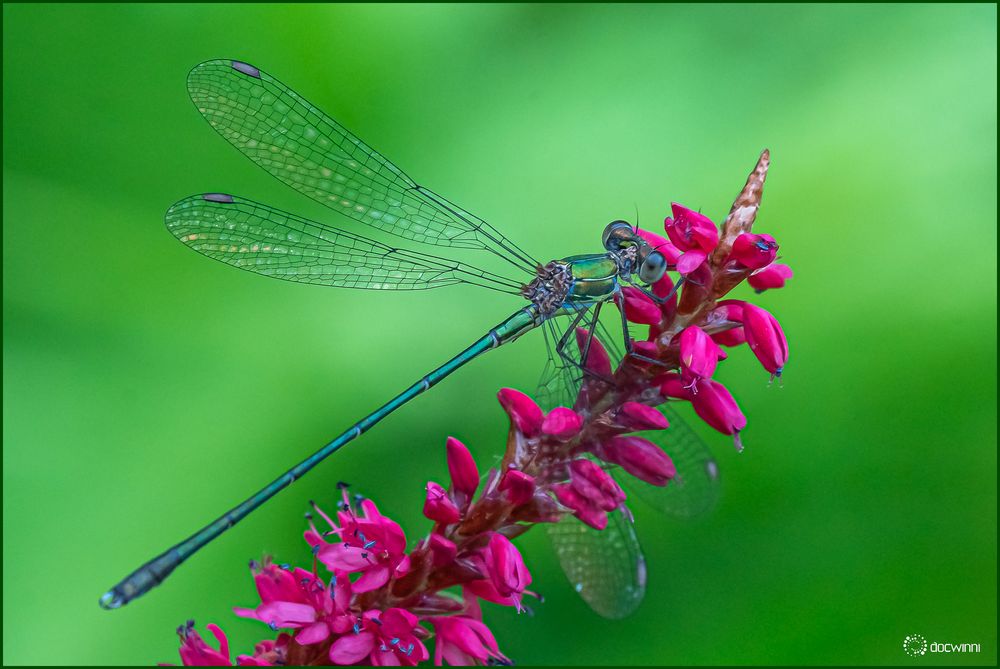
146	389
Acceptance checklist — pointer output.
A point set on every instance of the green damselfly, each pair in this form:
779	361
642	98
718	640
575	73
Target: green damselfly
300	145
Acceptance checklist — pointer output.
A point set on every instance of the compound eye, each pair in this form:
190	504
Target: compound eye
615	233
652	268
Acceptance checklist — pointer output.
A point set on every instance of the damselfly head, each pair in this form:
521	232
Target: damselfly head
640	259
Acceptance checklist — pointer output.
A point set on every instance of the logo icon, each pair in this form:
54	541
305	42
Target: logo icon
915	645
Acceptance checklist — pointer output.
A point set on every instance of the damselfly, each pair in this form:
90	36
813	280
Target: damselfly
306	149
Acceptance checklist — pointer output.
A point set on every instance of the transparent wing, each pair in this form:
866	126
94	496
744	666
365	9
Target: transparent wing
300	145
560	381
606	567
271	242
695	490
562	375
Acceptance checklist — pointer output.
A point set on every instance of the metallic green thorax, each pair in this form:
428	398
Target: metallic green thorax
567	285
595	278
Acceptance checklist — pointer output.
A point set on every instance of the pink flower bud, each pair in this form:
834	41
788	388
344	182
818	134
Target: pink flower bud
668	309
691	261
562	423
641	458
507	570
730	337
591	493
598	361
766	339
461	466
596	485
438	506
639	308
442	550
194	651
588	513
673	386
716	406
772	276
728	310
689	230
462	640
754	251
692	233
662	288
646	348
699	354
525	415
636	416
519	486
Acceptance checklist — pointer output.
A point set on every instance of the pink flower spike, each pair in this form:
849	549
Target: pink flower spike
641	458
715	405
635	416
519	486
462	467
699	353
562	423
765	338
754	251
439	507
507	571
525	415
690	230
772	276
598	361
638	307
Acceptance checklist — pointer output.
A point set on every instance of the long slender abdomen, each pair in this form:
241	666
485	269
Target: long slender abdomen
155	571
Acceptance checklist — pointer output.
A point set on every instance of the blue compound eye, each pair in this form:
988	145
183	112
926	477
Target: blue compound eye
652	268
